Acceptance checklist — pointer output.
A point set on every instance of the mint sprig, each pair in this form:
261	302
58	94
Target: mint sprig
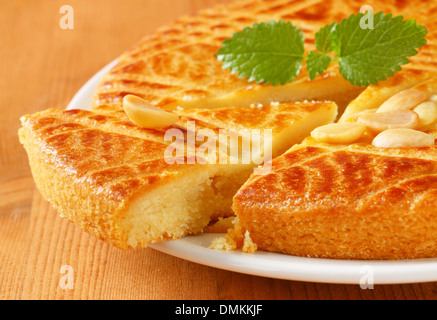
273	53
268	52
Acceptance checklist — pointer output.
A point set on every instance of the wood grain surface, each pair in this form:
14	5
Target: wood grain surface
43	66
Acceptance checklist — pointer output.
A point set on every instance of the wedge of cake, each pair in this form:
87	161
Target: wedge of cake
112	178
373	197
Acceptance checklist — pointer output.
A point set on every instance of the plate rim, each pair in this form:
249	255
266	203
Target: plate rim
293	268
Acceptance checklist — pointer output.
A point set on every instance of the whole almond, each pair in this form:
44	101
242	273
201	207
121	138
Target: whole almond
403	138
404	100
339	133
382	121
427	112
147	116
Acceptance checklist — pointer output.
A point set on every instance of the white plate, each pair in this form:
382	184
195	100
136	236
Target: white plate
279	266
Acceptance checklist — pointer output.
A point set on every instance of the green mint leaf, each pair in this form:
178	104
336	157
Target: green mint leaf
317	63
323	38
367	56
269	53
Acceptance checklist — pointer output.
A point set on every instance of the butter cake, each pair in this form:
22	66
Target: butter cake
355	201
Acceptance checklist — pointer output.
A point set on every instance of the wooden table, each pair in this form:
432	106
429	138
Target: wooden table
43	66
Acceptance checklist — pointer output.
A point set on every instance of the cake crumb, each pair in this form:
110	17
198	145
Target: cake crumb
248	245
223	243
234	240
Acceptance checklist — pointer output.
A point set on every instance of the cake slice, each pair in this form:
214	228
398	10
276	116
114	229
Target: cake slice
352	200
349	202
113	179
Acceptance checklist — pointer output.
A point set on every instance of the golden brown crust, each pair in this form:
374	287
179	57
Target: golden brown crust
270	116
90	174
354	202
350	202
92	165
176	65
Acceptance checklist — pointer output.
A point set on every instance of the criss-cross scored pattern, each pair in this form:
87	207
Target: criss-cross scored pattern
93	165
350	202
177	66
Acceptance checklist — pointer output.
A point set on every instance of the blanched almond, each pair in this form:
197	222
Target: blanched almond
147	116
403	138
404	100
427	112
339	133
379	122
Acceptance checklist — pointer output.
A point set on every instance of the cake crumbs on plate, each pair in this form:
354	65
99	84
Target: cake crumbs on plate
234	240
248	245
